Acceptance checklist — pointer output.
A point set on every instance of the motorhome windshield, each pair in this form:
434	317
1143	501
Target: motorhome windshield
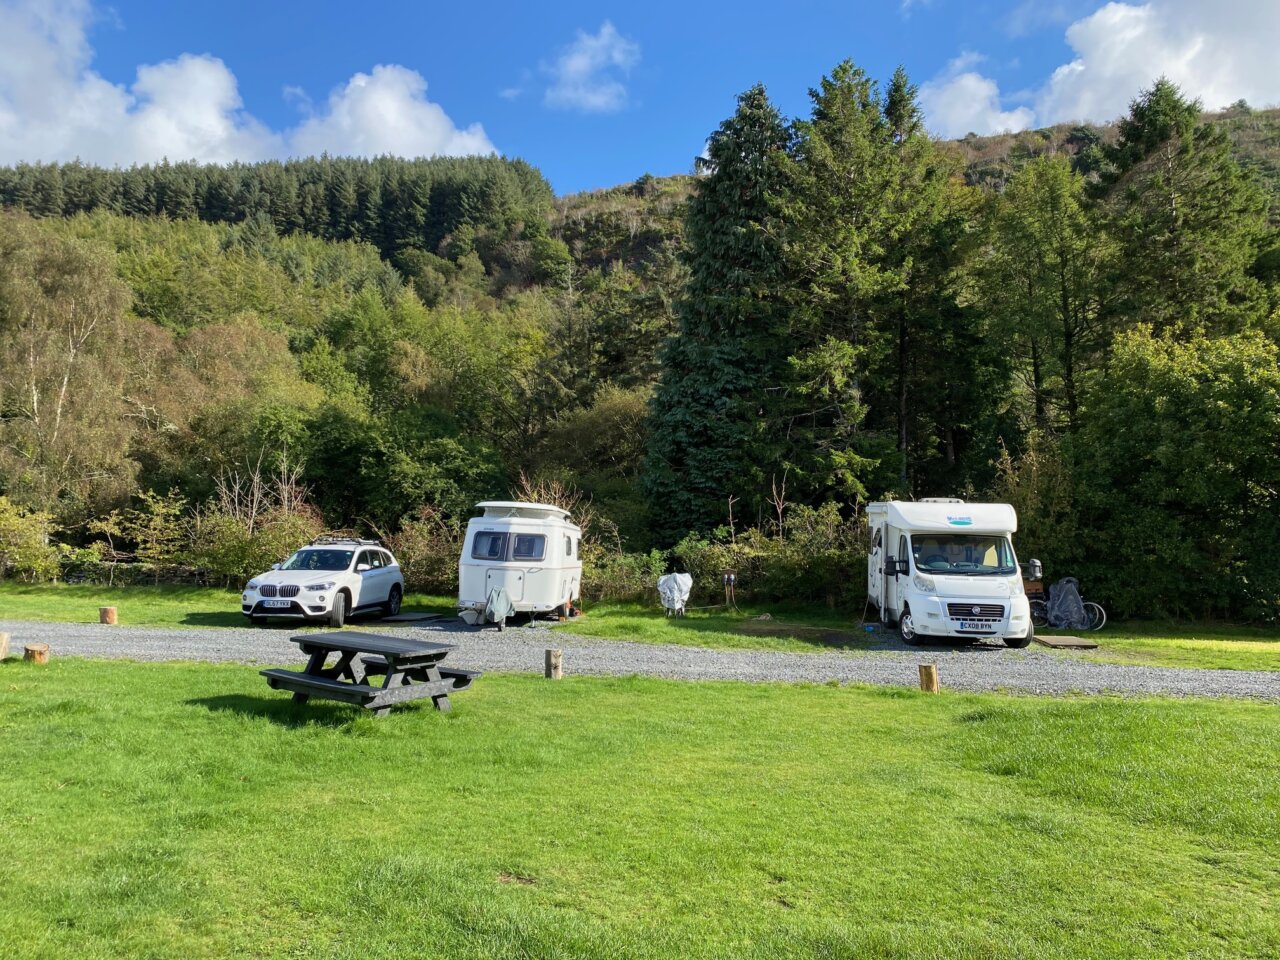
971	555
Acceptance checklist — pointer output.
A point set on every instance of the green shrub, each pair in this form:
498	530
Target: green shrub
817	556
25	551
428	547
614	575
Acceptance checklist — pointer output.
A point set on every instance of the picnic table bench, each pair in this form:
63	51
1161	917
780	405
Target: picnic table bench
410	670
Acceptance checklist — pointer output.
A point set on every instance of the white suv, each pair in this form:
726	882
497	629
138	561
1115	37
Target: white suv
329	580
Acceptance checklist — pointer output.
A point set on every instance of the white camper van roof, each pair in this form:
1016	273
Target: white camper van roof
954	516
514	508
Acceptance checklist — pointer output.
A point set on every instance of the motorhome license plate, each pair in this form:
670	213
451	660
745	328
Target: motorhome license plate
277	603
975	625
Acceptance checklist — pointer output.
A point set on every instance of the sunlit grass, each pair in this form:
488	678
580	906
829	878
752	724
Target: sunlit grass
187	811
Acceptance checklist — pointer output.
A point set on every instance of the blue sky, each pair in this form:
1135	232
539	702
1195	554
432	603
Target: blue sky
592	95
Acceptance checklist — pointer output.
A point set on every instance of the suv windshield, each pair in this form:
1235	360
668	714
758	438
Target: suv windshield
963	554
319	560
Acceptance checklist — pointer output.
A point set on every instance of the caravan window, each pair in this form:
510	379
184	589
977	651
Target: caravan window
529	546
568	546
489	546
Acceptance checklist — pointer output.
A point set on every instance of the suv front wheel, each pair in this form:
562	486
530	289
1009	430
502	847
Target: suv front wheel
338	615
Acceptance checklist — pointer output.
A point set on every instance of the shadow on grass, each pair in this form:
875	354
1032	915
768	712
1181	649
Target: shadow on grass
282	710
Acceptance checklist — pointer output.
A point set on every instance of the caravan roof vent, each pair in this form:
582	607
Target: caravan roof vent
940	500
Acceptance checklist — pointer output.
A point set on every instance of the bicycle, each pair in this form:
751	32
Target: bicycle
1095	616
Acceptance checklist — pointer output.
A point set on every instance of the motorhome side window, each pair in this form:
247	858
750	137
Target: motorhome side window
529	546
489	546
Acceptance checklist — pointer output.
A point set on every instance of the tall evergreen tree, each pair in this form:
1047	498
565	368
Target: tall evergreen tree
1188	220
706	420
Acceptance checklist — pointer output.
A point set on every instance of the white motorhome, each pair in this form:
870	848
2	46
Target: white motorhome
530	550
946	568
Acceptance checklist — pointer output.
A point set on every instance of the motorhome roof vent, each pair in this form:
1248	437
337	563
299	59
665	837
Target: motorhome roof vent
940	500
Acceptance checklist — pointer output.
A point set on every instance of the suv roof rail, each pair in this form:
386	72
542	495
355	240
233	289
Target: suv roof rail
356	540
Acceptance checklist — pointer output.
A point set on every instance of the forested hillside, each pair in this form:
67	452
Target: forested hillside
837	308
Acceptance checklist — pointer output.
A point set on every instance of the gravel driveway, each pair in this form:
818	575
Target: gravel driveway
520	649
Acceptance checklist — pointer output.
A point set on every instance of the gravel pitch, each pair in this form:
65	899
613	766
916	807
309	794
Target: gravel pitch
976	667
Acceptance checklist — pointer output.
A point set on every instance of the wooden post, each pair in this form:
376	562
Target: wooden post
553	664
4	645
107	615
36	652
929	677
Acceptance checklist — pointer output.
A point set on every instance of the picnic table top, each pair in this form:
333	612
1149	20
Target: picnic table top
353	641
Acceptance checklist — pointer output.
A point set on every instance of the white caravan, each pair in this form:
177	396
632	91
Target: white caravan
530	550
946	568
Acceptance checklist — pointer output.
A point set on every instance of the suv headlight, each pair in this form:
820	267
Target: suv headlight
252	585
922	583
317	587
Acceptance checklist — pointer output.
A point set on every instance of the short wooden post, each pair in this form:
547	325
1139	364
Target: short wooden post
4	645
553	664
36	652
929	677
107	615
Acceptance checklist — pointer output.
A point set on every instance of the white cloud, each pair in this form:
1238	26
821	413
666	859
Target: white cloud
386	111
586	75
1218	53
53	106
960	101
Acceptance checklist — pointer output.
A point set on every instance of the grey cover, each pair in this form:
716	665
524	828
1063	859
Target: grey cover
674	590
1066	609
498	606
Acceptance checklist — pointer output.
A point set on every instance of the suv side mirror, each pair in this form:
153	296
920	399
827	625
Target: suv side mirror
1035	571
275	566
362	567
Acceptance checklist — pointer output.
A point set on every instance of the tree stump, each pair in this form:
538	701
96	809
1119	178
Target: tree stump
107	615
929	677
553	665
4	645
36	652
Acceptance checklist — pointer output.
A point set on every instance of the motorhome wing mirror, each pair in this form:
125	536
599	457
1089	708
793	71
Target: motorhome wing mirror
894	567
1035	570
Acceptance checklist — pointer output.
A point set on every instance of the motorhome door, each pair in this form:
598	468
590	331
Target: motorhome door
875	568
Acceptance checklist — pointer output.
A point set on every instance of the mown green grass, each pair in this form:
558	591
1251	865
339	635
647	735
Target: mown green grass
153	606
187	811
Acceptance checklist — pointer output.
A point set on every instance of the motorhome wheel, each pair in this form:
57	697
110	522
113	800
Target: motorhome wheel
1019	642
907	627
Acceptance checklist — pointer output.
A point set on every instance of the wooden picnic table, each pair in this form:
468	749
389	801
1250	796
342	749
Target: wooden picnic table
410	670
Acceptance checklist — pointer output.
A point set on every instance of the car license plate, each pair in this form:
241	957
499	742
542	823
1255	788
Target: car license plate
976	625
286	604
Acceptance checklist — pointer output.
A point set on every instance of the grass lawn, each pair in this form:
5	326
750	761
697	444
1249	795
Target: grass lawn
162	606
183	810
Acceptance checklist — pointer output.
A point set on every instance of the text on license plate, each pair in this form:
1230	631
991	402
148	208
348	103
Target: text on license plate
976	625
277	603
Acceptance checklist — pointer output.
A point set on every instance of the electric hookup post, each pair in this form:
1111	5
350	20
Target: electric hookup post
730	582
